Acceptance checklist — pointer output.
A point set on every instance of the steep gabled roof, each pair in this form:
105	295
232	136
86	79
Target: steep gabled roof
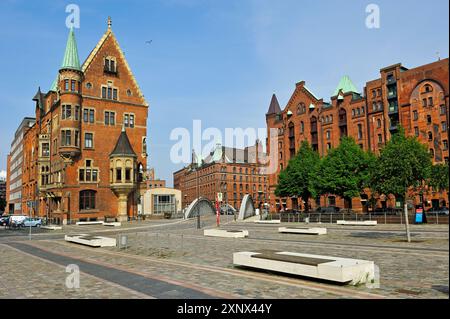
109	34
71	59
274	107
123	146
345	85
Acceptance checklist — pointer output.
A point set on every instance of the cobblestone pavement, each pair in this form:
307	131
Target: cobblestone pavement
177	251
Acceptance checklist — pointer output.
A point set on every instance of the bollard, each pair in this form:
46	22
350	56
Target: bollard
320	218
437	218
385	218
331	218
401	219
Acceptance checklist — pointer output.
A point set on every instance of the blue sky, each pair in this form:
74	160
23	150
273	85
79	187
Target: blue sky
215	60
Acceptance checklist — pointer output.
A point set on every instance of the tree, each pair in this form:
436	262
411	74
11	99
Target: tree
345	170
439	178
403	163
299	177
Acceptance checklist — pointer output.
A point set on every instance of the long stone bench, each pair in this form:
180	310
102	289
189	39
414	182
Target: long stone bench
301	230
113	224
225	233
89	240
52	227
335	269
357	223
273	221
90	223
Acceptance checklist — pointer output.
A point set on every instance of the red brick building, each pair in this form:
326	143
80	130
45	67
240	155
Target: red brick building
85	156
416	99
230	171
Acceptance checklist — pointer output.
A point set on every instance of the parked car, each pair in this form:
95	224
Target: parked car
4	221
32	222
438	210
329	209
16	221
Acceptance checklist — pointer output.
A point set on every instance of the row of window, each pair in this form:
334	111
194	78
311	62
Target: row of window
71	86
89	116
358	111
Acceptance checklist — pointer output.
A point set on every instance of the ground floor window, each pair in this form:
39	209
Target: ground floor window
87	200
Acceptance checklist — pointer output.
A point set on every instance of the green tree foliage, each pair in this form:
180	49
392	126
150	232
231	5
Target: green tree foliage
439	177
345	171
403	163
300	176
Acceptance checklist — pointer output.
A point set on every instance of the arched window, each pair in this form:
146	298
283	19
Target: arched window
430	136
87	200
378	123
302	127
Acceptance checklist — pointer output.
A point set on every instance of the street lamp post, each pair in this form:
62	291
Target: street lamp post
198	202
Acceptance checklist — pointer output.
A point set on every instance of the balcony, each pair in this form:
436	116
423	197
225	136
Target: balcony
391	80
393	109
392	95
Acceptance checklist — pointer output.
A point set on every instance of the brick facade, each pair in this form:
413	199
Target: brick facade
71	178
416	99
230	174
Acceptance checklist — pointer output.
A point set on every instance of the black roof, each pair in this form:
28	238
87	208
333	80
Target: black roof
39	98
123	146
274	107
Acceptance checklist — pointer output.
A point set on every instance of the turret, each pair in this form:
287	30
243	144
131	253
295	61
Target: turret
70	79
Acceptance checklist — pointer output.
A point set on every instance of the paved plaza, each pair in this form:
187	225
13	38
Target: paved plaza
172	259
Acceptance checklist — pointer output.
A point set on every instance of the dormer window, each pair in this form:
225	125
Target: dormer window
110	65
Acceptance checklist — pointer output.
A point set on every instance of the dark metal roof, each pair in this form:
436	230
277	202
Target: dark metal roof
39	98
123	146
274	107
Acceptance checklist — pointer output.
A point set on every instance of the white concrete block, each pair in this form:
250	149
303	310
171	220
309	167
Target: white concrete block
341	270
357	223
306	231
273	221
90	223
52	227
225	233
89	240
113	224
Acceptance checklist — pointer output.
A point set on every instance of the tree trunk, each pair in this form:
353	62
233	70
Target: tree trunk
405	205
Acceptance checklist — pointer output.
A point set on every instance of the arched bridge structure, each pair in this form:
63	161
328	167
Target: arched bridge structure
202	205
247	208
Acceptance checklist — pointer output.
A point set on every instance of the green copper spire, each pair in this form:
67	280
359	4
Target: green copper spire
54	87
71	59
346	85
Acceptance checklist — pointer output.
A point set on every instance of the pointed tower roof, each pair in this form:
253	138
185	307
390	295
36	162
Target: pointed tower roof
38	98
71	59
123	146
274	106
345	85
54	86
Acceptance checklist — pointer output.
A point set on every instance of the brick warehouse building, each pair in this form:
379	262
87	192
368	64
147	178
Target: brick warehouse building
85	156
416	99
231	171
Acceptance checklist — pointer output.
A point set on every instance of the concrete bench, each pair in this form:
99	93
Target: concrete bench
52	227
273	221
90	223
357	223
225	233
335	269
113	224
306	231
92	241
